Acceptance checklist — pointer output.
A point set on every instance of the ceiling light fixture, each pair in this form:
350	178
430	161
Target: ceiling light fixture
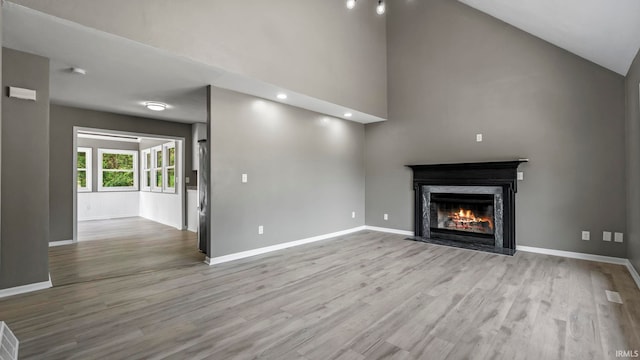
282	96
381	8
348	114
155	106
78	71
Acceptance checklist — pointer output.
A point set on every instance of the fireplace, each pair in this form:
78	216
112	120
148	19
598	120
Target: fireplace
469	205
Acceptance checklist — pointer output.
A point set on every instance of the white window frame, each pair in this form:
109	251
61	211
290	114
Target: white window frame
155	168
88	168
146	168
101	152
166	167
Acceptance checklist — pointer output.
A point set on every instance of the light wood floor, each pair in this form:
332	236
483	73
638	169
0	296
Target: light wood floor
112	248
363	296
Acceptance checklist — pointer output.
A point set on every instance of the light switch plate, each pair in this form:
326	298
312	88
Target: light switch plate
606	236
245	178
386	216
618	237
520	175
260	230
586	235
186	179
479	137
353	214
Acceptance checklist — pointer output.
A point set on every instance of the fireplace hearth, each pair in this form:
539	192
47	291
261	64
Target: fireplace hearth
469	205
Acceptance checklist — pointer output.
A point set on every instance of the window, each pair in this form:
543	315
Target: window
169	150
84	169
118	170
157	169
146	169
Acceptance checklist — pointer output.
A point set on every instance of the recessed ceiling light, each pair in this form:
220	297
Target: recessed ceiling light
348	114
78	71
351	4
282	96
155	106
381	8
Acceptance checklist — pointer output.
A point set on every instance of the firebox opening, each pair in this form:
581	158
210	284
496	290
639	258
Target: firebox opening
470	214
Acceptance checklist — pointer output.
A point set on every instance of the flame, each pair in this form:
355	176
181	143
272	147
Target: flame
468	218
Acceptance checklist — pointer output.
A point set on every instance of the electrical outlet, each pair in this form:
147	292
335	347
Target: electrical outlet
618	237
520	175
186	179
479	137
606	236
386	216
260	230
245	178
353	214
586	235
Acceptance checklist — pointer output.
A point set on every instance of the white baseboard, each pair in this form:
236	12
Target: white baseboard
264	250
390	231
573	255
60	243
26	288
634	273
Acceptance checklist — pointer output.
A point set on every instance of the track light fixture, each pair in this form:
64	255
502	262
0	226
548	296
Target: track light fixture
381	8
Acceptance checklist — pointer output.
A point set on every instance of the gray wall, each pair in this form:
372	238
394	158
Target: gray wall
633	163
455	72
305	172
63	119
315	47
96	144
25	172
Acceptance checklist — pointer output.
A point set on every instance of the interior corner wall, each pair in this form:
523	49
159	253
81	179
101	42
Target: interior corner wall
25	175
633	162
455	72
315	47
63	120
305	173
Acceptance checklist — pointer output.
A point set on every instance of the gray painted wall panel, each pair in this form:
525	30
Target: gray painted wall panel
455	72
633	162
305	173
63	119
316	47
25	172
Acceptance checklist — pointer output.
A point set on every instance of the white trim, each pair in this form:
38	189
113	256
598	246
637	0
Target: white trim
573	255
60	243
388	230
264	250
26	288
633	272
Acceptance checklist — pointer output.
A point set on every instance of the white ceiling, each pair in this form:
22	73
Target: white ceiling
123	74
606	32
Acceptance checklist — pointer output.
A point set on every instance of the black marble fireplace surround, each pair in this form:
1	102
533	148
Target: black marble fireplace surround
467	205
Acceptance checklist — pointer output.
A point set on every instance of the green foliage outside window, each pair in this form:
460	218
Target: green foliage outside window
172	157
159	159
159	179
171	178
82	179
82	160
117	161
117	179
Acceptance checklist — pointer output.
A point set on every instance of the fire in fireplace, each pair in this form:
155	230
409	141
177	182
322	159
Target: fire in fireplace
463	214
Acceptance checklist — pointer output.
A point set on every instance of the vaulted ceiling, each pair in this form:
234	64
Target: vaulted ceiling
606	32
